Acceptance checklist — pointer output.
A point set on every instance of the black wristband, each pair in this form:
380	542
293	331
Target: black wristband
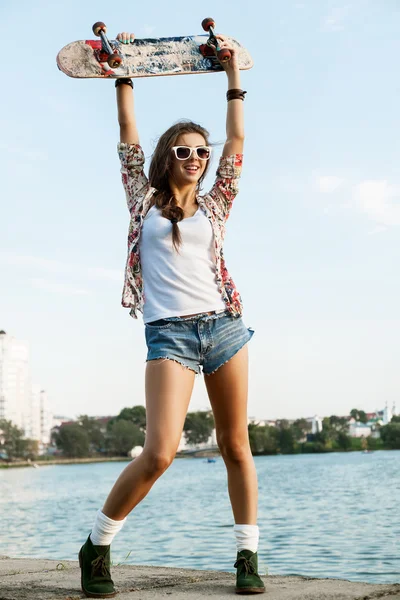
125	80
235	94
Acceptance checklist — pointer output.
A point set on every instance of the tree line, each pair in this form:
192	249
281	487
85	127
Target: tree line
294	438
88	437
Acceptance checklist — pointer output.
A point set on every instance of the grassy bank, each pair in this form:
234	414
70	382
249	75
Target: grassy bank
44	462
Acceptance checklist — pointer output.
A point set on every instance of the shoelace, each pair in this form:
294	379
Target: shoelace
99	567
247	565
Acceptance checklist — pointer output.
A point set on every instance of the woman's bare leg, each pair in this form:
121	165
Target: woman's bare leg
228	390
169	387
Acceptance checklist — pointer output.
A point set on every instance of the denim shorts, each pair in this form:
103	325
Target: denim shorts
206	340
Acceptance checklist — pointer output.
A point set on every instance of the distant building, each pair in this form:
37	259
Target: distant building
211	442
22	403
33	425
15	381
371	416
103	422
261	422
316	424
46	418
375	421
385	415
358	430
59	420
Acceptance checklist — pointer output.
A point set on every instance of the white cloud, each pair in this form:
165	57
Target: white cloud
379	200
377	229
328	183
58	288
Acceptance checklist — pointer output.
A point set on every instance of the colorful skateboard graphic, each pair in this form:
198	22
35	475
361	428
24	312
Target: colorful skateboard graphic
108	59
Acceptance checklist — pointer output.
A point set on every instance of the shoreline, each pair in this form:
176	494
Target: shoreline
192	454
42	579
60	461
82	461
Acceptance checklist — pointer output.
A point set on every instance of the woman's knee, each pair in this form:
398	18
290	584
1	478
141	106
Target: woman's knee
234	449
157	461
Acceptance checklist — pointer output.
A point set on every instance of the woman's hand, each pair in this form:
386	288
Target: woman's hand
126	38
231	65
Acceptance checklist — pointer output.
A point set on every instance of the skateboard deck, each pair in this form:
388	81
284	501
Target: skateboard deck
149	57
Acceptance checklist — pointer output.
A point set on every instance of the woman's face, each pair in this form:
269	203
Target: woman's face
189	171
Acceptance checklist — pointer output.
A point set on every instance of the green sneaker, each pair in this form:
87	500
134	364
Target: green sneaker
248	580
94	562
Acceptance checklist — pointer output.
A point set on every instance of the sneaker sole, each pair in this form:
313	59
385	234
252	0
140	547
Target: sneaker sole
254	590
89	594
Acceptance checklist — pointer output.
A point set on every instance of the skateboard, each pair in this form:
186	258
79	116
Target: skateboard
151	57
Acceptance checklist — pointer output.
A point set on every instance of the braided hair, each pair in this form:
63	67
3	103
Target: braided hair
159	171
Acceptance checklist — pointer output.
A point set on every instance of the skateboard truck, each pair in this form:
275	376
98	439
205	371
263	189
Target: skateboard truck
223	54
107	53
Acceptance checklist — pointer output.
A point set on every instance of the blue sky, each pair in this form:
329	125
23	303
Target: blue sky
313	239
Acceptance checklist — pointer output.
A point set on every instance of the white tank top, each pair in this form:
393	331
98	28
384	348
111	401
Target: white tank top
178	284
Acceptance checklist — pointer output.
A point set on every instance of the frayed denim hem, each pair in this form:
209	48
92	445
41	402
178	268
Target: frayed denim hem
163	358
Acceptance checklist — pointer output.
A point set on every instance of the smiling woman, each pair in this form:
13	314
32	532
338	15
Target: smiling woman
177	172
176	276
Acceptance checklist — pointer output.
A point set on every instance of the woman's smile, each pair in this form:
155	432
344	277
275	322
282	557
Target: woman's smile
192	169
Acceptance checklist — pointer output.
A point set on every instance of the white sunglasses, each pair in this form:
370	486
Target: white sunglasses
185	152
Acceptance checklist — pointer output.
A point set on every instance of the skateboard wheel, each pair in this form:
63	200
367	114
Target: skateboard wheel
114	60
207	23
97	27
224	55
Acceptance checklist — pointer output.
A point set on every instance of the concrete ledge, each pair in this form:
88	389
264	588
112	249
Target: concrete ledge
37	579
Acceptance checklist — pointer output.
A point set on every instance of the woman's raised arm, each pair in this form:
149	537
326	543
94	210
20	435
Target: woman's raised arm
130	153
125	104
235	114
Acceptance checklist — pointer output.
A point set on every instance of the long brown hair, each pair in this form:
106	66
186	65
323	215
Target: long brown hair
159	171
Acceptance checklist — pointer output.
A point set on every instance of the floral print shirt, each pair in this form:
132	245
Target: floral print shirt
216	204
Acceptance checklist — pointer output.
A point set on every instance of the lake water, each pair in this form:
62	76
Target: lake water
324	515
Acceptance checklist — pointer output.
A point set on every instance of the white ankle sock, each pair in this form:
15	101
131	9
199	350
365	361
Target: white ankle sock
246	537
105	529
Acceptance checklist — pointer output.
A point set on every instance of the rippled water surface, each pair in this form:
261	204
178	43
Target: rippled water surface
333	515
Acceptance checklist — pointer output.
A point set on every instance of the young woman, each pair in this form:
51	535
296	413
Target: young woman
176	276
